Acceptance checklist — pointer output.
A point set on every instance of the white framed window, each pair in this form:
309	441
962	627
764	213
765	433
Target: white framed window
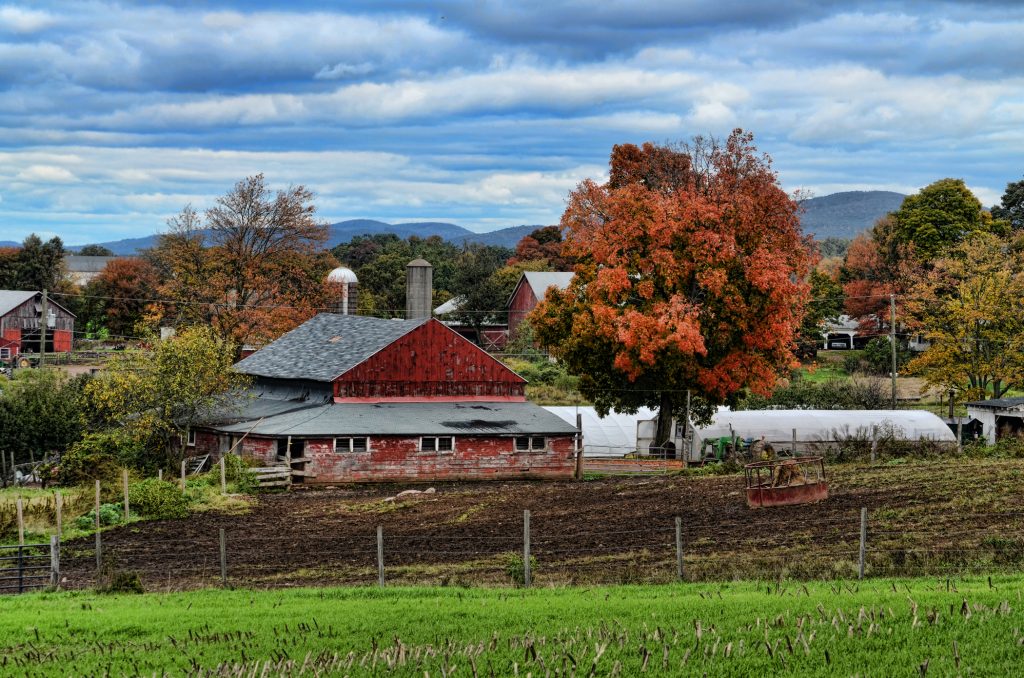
191	437
357	444
531	444
437	444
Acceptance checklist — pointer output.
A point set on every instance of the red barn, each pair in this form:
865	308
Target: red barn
528	292
21	317
353	398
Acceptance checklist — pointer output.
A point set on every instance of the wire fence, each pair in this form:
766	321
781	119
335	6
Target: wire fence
660	550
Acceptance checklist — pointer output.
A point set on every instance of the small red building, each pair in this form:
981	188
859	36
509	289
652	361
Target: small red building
21	320
352	398
528	292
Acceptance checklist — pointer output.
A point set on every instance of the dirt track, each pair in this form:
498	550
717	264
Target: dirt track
931	517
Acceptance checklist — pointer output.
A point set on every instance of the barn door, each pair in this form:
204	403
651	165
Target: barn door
298	458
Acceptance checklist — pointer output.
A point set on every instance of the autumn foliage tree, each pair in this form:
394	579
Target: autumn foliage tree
690	276
542	244
254	268
971	306
122	293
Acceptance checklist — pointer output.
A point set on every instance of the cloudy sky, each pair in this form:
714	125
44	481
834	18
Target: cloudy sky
484	113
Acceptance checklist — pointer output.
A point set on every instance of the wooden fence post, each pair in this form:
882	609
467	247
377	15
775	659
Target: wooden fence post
21	522
793	450
863	542
223	558
579	446
99	546
526	549
679	548
124	481
54	561
59	500
223	476
3	468
183	476
159	474
380	555
874	442
959	434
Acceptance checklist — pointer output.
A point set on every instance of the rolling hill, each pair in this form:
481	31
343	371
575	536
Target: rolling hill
839	215
844	215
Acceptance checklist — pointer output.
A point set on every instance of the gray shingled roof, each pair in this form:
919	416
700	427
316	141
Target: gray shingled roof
412	419
998	403
325	347
12	299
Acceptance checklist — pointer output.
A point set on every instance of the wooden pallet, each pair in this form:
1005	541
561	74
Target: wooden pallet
273	476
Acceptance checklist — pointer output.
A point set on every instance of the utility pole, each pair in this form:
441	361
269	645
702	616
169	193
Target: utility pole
42	333
892	339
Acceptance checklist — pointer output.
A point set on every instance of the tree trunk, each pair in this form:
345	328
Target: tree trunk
663	434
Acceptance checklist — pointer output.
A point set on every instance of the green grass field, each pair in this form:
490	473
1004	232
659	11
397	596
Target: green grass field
909	627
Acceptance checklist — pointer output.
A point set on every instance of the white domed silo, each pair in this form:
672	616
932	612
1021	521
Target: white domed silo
419	289
345	283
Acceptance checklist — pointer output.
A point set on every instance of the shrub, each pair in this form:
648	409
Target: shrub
236	470
98	456
878	355
515	570
123	582
157	499
110	514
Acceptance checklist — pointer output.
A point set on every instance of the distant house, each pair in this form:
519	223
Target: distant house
843	335
351	398
528	292
999	417
83	269
21	317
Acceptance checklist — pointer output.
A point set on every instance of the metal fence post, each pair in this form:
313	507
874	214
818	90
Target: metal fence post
380	555
54	561
526	548
679	548
223	558
863	542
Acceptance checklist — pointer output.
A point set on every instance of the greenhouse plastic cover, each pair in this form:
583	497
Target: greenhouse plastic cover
826	425
613	435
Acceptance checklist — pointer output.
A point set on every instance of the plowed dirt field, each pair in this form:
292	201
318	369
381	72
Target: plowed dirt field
934	517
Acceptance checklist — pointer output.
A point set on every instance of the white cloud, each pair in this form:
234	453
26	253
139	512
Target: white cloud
46	174
20	20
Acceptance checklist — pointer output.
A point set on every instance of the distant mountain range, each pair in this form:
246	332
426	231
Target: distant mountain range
844	215
839	215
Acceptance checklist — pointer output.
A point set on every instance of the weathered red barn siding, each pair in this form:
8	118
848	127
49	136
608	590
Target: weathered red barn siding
61	340
432	361
262	450
11	345
13	335
397	458
523	301
207	442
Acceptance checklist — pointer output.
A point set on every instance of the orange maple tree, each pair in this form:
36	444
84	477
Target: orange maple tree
690	276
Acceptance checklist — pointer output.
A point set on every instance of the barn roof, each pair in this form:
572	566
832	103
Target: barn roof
12	299
998	403
540	281
325	347
410	419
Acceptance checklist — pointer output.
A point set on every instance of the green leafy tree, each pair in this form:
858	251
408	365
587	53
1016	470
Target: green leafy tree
690	276
41	412
1011	207
36	265
482	297
824	306
158	395
95	251
940	217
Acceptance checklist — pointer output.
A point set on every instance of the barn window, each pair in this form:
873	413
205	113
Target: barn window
5	353
531	444
361	444
437	444
191	437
